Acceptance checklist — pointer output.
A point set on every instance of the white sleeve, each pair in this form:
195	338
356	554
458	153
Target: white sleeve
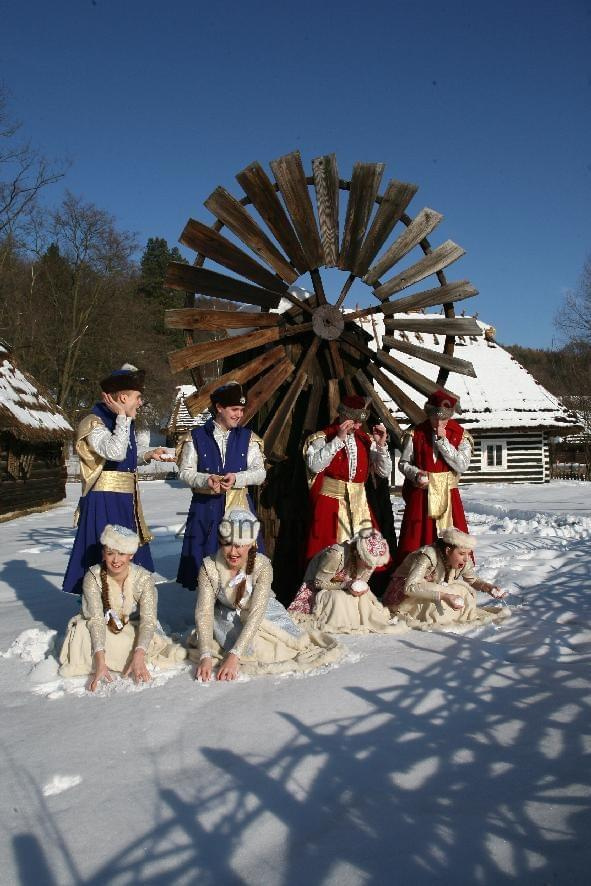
255	472
320	453
111	446
407	469
458	459
188	467
381	460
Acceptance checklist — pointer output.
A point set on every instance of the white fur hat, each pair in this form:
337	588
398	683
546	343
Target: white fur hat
239	527
120	538
457	538
373	548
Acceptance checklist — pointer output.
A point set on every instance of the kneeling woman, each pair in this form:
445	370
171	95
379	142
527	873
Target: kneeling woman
335	596
239	621
434	587
102	638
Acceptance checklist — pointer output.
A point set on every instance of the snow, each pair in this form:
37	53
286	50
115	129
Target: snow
24	402
422	757
503	394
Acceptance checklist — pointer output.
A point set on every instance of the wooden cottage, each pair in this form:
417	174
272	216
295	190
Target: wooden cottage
509	414
180	419
33	433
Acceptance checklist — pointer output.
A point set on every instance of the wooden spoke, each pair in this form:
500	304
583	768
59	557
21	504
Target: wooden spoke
257	185
437	260
288	402
287	330
211	244
313	407
318	287
453	364
291	178
202	318
364	312
344	291
334	398
440	295
402	400
326	183
415	379
385	415
197	402
233	214
265	387
437	326
336	358
208	351
419	228
395	200
364	188
205	282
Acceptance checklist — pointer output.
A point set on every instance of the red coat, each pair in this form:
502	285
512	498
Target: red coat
324	517
418	528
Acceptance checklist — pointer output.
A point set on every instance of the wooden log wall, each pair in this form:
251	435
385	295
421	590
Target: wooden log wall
46	483
528	457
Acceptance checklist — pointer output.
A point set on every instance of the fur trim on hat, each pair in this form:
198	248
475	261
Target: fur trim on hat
128	378
457	539
373	548
239	527
354	407
120	538
230	394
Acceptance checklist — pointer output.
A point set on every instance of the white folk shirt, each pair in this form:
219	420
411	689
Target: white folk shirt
457	459
113	446
254	474
320	454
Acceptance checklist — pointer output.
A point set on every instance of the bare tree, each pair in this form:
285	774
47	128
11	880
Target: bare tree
574	316
24	172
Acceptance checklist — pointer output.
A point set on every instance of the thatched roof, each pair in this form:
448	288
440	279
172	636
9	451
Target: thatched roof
26	411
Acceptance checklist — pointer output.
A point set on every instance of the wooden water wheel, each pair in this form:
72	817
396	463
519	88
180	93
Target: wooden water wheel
297	363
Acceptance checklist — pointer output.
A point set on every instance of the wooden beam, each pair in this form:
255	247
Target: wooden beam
326	183
257	185
365	182
291	178
208	351
197	402
419	228
334	398
314	397
437	326
416	380
205	282
206	319
428	298
233	214
437	260
288	402
211	244
402	400
454	364
265	387
396	198
385	415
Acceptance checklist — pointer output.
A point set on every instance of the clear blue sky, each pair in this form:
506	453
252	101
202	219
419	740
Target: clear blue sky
486	106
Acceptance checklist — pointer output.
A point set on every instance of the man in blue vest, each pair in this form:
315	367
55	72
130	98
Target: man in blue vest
107	448
218	460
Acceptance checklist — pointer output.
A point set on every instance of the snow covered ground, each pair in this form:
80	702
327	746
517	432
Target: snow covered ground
457	758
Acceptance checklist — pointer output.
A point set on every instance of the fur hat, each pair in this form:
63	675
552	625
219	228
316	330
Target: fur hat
128	378
230	394
120	539
353	407
441	404
372	548
457	539
239	527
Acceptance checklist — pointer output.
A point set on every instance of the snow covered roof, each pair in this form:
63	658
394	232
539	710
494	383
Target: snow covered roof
503	394
26	411
181	419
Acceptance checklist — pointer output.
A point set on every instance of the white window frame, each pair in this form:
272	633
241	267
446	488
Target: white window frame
484	457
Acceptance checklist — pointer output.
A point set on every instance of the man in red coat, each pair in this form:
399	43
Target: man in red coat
339	458
434	455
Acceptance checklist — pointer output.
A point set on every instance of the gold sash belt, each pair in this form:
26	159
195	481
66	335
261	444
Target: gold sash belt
339	488
353	514
439	498
125	481
235	498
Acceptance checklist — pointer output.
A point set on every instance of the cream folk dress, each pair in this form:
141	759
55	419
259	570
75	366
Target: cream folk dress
87	632
259	631
414	590
336	611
